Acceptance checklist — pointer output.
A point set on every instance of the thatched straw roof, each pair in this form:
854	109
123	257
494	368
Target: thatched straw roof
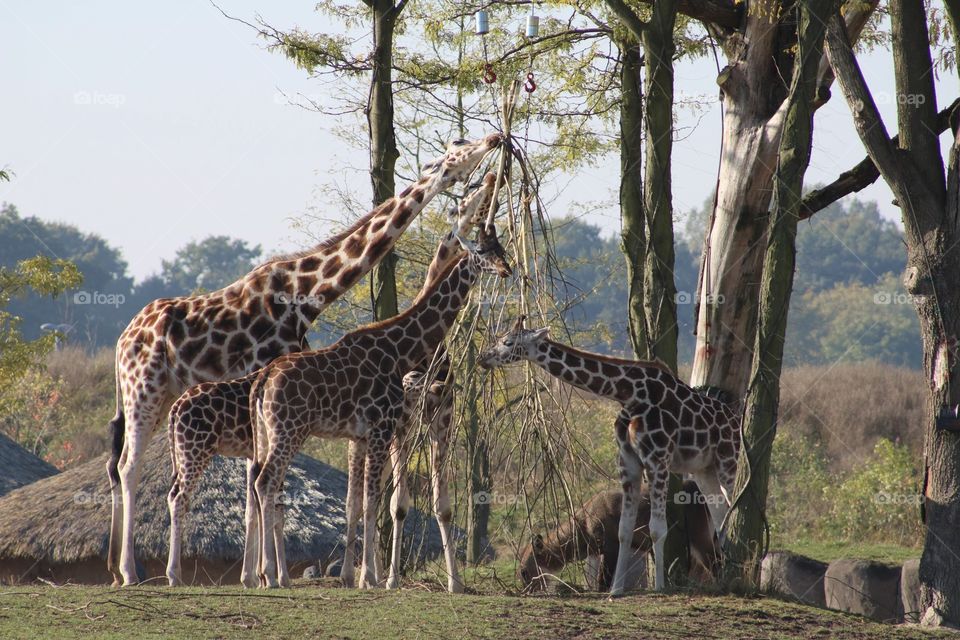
65	518
19	467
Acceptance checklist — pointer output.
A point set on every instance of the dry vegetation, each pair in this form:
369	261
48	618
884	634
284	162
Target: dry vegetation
846	432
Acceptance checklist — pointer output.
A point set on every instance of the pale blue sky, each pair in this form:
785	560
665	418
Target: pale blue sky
156	124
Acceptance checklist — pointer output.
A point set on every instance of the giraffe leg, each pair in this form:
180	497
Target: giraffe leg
440	430
282	570
659	480
251	540
378	449
630	476
268	486
141	422
712	493
116	434
356	456
399	503
726	472
187	476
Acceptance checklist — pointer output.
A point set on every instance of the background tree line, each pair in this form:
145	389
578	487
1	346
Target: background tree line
850	304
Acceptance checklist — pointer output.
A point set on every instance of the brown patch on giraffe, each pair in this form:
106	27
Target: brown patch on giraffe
331	266
402	217
309	264
379	247
353	247
349	276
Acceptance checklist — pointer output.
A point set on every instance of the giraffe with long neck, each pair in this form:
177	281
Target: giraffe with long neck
214	417
428	397
174	343
352	389
663	426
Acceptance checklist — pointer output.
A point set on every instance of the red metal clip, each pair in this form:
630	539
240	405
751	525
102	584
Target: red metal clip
488	75
530	85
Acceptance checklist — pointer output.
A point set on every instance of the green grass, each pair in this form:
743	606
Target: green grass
312	610
829	551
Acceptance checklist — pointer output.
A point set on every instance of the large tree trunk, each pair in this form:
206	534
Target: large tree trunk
929	204
745	534
646	210
383	145
383	159
752	90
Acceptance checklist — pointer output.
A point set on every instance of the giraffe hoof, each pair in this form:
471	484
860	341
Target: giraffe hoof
615	595
455	586
393	583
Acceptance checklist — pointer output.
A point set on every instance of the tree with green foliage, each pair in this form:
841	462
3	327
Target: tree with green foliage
46	277
209	264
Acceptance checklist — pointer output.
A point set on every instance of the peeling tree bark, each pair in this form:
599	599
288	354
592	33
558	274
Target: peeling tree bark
746	528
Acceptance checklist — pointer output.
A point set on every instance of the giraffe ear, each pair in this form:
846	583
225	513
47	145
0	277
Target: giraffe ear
539	334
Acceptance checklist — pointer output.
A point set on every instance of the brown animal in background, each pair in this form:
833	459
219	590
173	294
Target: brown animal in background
592	534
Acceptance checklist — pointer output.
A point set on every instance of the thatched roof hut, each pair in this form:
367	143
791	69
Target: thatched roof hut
19	467
57	528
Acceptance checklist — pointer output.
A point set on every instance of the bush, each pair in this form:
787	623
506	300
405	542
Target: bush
880	501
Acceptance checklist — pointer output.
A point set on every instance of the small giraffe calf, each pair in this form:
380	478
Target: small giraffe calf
592	534
663	426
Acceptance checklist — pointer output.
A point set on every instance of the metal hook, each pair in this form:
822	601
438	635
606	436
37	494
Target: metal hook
488	75
530	85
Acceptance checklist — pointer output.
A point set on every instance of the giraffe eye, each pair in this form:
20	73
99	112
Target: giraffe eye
508	343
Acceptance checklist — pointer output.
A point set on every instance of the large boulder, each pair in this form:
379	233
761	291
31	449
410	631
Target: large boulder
871	589
792	576
910	590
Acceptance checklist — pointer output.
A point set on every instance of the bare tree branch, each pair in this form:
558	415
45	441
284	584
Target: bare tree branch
862	175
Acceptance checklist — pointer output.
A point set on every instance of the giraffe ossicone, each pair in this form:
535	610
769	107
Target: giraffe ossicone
174	343
664	426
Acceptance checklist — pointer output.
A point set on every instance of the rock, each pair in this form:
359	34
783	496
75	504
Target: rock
910	590
863	587
793	576
312	572
333	569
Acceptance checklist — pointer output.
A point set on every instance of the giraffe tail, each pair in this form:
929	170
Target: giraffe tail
116	430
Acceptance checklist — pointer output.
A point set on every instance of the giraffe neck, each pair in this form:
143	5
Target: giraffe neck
587	371
428	320
448	252
307	283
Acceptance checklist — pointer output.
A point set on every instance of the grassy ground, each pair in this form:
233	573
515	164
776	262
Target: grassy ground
312	610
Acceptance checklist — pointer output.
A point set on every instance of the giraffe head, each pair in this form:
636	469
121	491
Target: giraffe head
487	252
460	159
516	344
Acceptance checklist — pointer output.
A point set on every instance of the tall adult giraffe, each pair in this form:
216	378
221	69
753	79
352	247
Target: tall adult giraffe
174	343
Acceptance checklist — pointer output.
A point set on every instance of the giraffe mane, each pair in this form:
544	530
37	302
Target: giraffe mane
654	364
406	313
335	239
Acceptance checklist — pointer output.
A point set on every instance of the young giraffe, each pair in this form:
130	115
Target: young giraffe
664	426
214	417
352	389
174	343
433	404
